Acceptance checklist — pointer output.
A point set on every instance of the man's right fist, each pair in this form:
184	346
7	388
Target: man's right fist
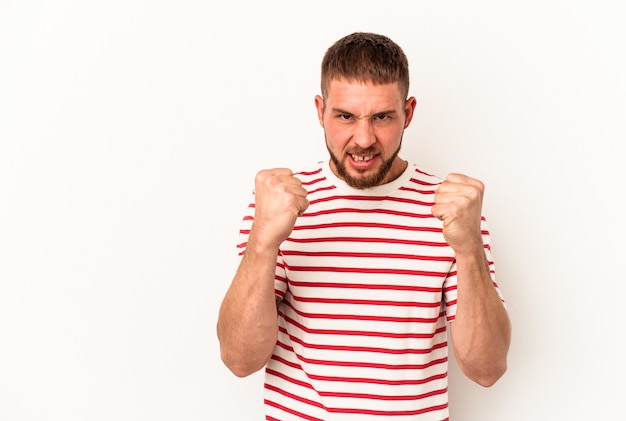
279	200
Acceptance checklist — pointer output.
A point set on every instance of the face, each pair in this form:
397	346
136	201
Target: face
363	125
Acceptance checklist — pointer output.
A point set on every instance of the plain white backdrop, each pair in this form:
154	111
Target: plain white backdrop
130	133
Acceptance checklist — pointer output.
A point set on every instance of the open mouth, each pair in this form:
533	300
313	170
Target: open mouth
362	158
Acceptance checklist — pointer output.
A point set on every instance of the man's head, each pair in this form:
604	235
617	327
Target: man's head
364	109
365	57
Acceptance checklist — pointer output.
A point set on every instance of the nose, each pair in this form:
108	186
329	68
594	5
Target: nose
364	135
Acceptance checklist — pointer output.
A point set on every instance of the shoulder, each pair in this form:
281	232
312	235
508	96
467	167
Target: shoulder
311	172
419	176
315	177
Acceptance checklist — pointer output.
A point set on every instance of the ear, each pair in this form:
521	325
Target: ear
409	110
319	105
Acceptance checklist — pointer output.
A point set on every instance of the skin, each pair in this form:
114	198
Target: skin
481	332
247	325
363	125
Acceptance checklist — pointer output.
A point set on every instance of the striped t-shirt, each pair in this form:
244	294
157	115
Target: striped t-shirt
367	284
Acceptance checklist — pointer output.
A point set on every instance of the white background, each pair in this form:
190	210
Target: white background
130	134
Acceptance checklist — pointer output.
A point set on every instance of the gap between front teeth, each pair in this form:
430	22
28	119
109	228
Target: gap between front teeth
362	158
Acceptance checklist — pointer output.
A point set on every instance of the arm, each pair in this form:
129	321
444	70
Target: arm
481	331
247	324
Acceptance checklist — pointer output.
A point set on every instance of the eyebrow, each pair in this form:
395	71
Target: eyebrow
340	111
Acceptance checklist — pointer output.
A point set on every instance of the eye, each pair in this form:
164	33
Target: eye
345	116
381	116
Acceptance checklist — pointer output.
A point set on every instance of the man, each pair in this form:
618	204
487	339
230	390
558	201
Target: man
353	270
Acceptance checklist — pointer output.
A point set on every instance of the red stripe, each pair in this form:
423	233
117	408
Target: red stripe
384	397
286	362
366	255
334	269
365	380
415	288
317	171
362	380
321	189
289	410
314	181
364	333
405	382
379	350
375	211
418	191
363	364
389	413
372	199
289	379
366	302
379	318
366	225
422	182
368	240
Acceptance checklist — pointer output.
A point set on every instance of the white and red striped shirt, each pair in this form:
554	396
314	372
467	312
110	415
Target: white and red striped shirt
367	283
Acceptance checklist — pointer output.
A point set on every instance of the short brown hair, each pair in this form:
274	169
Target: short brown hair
365	57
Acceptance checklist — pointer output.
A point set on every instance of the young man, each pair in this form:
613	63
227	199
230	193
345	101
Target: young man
354	270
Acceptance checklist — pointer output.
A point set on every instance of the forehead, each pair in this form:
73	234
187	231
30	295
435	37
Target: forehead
345	95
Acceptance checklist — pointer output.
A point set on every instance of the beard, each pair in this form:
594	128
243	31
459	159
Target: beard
363	181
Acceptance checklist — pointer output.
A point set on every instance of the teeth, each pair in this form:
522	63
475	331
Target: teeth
362	158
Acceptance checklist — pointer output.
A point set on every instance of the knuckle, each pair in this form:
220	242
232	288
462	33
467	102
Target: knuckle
261	176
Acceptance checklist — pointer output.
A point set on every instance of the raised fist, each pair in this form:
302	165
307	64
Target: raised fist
458	203
279	200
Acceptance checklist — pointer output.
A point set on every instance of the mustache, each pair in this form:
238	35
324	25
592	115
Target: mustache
362	151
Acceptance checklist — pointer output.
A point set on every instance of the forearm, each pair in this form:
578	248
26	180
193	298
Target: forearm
247	326
481	330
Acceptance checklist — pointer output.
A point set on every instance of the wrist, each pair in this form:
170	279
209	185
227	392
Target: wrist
259	247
